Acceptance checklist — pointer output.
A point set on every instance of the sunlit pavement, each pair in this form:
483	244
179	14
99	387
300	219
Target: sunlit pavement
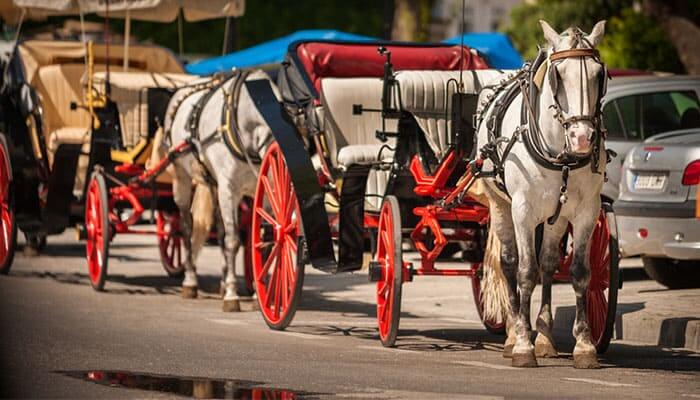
56	330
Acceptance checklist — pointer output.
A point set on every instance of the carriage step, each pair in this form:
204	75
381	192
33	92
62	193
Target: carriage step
375	271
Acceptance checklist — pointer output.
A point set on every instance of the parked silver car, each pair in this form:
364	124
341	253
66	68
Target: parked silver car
638	107
656	211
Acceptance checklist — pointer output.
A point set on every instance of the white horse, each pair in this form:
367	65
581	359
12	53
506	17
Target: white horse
216	170
564	118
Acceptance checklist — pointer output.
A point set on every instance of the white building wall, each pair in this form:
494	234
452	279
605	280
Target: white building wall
480	16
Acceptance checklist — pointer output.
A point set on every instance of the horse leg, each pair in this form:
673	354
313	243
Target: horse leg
231	245
584	352
182	194
549	261
523	350
220	238
502	225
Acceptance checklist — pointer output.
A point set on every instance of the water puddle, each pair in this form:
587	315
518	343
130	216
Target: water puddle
198	388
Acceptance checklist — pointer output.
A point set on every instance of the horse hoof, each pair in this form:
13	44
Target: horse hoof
524	360
231	306
586	361
30	251
222	291
545	349
189	292
508	351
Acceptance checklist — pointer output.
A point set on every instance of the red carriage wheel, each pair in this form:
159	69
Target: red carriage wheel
496	327
8	227
275	240
601	298
98	230
390	260
170	243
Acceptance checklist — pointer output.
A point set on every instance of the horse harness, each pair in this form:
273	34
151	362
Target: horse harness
228	131
524	82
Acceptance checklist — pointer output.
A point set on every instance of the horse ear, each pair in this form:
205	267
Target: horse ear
597	33
549	33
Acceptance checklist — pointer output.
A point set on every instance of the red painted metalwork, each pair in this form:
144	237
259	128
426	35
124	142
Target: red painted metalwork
278	276
98	232
170	242
433	185
7	214
349	60
389	286
597	298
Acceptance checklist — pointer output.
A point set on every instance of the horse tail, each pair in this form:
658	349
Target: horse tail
494	289
202	216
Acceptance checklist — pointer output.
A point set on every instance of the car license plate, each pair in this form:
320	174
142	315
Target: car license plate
650	182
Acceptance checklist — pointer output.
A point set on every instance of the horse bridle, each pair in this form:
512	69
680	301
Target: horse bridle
582	54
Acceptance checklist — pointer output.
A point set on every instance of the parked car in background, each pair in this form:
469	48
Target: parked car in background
657	208
639	106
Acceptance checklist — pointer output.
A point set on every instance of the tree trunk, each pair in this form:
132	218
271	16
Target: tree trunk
411	20
682	32
406	16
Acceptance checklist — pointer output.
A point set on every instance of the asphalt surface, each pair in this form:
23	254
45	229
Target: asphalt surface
61	339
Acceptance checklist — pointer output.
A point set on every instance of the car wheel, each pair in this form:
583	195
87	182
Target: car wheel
673	274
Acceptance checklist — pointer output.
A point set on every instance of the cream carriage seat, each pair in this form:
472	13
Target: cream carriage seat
423	95
58	86
352	138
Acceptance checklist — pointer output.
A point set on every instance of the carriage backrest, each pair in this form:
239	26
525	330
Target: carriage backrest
343	128
58	86
427	96
39	53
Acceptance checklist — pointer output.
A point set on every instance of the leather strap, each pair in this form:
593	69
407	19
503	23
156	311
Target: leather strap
573	53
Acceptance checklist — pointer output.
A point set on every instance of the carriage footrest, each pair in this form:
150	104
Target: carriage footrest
375	271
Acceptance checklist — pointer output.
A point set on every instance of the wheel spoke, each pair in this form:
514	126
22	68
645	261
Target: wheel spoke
271	195
268	262
267	217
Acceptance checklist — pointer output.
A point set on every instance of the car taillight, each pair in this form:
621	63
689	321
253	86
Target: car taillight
691	175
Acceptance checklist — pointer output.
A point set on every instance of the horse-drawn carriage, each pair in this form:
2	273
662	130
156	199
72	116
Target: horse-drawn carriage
377	140
64	113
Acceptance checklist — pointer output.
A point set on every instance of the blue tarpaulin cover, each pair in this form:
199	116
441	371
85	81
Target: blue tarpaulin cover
497	48
267	52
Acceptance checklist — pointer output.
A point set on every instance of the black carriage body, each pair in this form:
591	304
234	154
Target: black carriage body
299	83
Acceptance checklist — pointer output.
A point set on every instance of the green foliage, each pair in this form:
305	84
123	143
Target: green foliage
266	20
631	39
263	20
636	41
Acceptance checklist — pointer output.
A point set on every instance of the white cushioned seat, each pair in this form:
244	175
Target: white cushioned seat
423	95
364	154
352	138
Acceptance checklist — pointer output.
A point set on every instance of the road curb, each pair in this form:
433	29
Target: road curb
636	324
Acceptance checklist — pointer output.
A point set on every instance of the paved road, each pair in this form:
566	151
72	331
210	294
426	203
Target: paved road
57	332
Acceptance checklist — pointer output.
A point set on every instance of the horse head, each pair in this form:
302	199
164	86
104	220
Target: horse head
575	85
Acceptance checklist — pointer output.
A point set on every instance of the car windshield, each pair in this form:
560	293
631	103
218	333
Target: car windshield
638	117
